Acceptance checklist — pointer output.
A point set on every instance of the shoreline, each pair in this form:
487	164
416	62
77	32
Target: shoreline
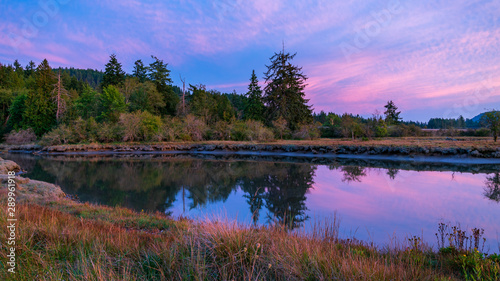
425	152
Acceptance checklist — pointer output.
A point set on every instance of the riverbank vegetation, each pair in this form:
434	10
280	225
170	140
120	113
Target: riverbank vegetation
64	106
89	242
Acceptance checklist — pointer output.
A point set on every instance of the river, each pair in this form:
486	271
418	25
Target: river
375	201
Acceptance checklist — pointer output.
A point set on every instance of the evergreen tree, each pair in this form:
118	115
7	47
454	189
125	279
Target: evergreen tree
114	74
255	107
17	67
140	71
40	113
391	113
16	112
87	104
30	69
159	74
284	92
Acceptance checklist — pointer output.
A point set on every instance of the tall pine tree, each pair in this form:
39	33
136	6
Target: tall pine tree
140	71
30	69
159	74
392	113
255	107
40	113
113	74
284	92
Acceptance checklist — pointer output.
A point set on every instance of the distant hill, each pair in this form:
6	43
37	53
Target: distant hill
90	76
479	117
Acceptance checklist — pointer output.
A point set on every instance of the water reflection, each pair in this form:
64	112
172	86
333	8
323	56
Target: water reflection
154	184
492	189
353	173
277	190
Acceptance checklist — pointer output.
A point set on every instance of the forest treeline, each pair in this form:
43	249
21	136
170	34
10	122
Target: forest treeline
67	105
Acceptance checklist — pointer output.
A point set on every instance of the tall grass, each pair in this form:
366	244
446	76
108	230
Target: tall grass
70	241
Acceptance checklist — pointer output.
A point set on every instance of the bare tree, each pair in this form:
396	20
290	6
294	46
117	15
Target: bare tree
183	95
59	94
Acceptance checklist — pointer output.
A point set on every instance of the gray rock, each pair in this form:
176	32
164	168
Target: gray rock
475	153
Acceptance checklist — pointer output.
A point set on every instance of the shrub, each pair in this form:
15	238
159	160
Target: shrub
281	127
130	124
150	126
381	129
403	130
259	132
108	132
482	132
307	131
62	134
92	129
171	129
221	131
240	131
20	137
194	129
84	130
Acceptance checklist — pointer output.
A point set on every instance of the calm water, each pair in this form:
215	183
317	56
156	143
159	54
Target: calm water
374	200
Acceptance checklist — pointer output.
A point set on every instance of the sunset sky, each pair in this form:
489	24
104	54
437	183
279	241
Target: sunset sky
432	58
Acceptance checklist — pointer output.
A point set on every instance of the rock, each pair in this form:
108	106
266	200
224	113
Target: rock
7	165
404	151
210	147
147	148
475	153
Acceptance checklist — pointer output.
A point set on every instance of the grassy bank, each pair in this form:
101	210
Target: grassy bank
417	146
59	239
63	240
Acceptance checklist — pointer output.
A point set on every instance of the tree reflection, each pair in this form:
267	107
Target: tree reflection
353	173
255	198
285	196
492	189
392	173
154	184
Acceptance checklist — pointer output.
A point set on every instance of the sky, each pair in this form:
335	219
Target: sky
432	58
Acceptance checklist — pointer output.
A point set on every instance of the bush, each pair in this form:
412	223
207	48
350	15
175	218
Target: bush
150	126
171	129
108	132
240	131
259	132
194	129
221	131
62	134
280	127
130	124
307	131
381	129
84	130
20	137
483	132
403	130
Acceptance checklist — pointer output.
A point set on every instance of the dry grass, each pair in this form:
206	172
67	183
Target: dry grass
64	240
428	142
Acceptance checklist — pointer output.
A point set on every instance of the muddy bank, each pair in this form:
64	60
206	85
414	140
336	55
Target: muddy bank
385	151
